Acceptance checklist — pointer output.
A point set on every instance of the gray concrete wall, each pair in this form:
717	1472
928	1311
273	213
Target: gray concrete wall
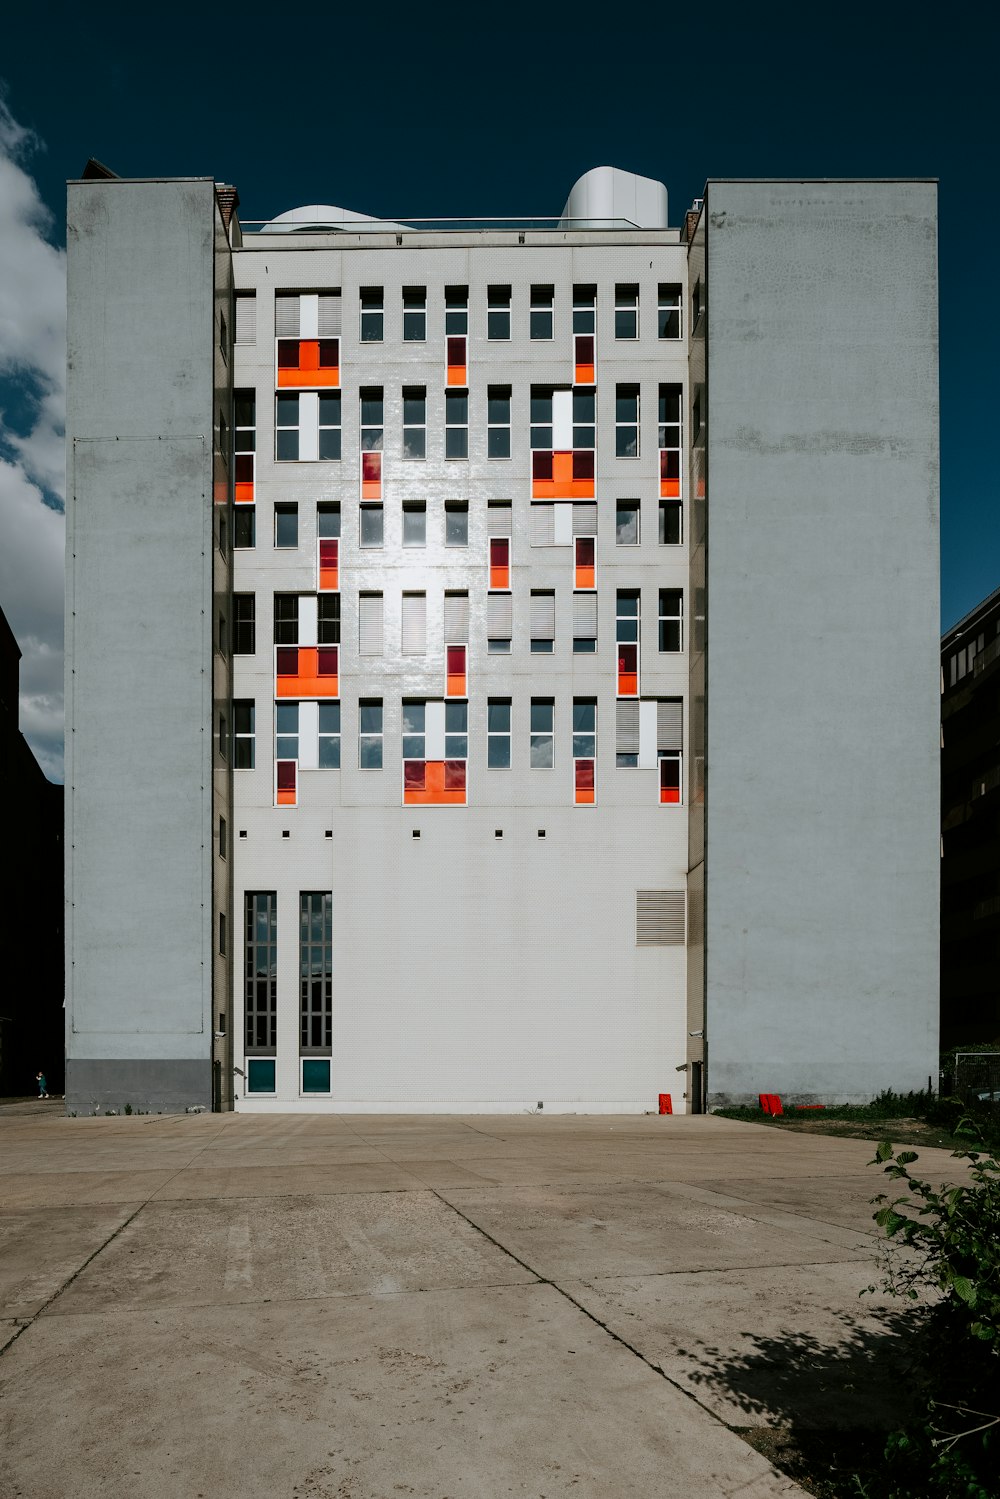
822	575
139	633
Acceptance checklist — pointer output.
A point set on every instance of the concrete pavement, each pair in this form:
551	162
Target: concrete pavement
331	1307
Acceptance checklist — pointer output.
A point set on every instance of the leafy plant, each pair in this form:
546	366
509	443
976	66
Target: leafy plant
951	1263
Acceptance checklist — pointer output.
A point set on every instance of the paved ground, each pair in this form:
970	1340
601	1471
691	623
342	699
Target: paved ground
322	1307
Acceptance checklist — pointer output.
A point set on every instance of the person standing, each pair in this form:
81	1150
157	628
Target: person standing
43	1091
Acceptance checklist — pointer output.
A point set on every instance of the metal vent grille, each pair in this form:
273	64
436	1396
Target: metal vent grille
659	918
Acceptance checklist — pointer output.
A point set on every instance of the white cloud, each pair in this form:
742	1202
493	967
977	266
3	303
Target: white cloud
32	460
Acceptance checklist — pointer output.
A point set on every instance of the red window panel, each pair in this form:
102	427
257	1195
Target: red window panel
414	775
584	792
244	477
585	562
327	660
499	562
329	565
456	661
288	661
583	464
670	473
584	358
286	783
541	466
454	775
371	476
628	669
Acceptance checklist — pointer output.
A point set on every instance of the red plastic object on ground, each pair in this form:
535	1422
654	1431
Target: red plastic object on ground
800	1106
770	1103
666	1104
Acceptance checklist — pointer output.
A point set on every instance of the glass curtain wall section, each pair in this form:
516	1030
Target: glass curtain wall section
260	989
315	970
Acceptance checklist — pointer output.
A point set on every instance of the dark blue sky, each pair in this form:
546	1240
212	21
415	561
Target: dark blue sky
454	110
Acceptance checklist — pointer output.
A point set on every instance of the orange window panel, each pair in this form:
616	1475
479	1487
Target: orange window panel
499	562
562	476
584	358
585	562
329	565
670	473
310	671
628	669
285	783
670	780
371	476
583	771
308	361
244	477
457	360
434	783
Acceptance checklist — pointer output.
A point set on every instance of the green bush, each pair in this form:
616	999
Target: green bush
952	1265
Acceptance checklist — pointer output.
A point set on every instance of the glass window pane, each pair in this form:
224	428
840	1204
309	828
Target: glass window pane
456	717
414	526
370	754
414	718
541	717
287	411
498	718
627	525
414	410
584	718
329	442
371	718
329	718
371	525
498	442
456	526
498	752
414	442
541	752
371	410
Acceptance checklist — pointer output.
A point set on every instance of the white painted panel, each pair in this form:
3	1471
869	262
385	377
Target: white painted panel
434	728
563	516
562	420
308	728
308	426
647	736
308	611
308	315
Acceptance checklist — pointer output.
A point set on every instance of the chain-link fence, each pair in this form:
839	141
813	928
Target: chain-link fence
973	1076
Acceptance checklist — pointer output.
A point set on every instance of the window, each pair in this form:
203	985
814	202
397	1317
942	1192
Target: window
671	523
541	416
286	525
414	421
584	623
286	731
223	636
246	317
286	428
244	445
329	424
370	734
327	521
627	639
499	619
543	621
372	433
414	625
315	1075
260	1075
315	969
371	314
456	310
456	731
244	527
415	524
584	750
626	311
498	421
222	933
244	624
260	971
541	311
584	418
498	312
584	562
627	523
244	740
223	337
414	314
499	561
456	523
668	315
223	737
223	533
372	525
671	619
542	716
414	731
370	624
456	416
498	733
329	736
286	619
223	838
627	735
584	304
627	421
224	439
669	432
328	619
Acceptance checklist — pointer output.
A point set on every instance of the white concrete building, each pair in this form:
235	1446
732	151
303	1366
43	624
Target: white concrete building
438	743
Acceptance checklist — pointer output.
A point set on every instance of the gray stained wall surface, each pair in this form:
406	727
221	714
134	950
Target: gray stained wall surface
822	576
139	644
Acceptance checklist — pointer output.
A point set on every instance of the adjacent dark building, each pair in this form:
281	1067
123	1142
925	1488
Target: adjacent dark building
31	901
970	827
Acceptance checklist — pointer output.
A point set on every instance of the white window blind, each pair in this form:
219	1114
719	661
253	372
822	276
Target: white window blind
456	618
414	635
669	724
659	918
543	525
498	520
542	616
370	624
329	314
585	616
246	318
627	727
585	520
286	315
499	616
